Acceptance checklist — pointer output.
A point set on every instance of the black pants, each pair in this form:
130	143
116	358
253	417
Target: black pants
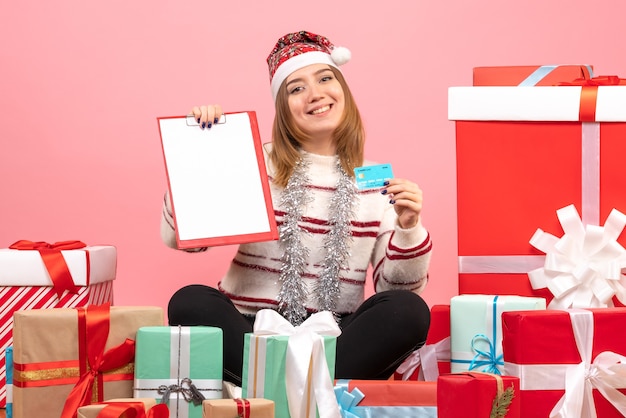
374	340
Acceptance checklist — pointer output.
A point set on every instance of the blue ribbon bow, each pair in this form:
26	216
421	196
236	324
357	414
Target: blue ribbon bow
490	359
348	401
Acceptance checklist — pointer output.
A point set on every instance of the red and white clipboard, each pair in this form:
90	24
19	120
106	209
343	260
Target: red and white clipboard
217	181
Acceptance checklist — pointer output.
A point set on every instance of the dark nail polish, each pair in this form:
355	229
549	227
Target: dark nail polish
198	120
216	120
209	125
386	183
392	201
203	125
384	191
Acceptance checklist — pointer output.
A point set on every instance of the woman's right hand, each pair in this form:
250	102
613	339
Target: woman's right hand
207	115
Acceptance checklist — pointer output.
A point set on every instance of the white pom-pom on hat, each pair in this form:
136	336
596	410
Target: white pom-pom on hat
341	55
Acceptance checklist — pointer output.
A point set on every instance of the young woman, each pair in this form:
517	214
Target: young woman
329	230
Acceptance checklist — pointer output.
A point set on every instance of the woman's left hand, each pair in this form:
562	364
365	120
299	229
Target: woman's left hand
406	198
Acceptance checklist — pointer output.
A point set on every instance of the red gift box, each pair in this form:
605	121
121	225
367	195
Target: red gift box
433	359
28	280
542	348
523	153
472	394
530	75
386	398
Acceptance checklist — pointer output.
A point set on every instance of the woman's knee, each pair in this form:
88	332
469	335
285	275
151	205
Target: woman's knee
188	304
409	311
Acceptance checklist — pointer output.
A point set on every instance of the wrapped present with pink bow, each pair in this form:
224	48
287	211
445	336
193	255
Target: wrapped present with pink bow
521	153
294	366
41	275
571	363
433	358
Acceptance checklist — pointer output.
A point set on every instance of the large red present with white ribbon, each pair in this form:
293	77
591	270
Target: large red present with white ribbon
38	275
522	153
570	362
433	358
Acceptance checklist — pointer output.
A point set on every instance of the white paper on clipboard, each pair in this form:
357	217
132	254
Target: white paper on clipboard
217	181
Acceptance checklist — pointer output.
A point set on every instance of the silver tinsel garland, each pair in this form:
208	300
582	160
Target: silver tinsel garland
337	242
293	293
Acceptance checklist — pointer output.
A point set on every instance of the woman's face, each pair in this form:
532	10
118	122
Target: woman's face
316	100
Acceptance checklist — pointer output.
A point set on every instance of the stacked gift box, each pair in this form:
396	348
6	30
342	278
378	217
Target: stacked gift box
538	169
39	275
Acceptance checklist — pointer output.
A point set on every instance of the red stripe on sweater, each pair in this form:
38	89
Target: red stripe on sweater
408	250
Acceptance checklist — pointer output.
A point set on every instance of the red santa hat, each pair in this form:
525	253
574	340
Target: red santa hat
299	49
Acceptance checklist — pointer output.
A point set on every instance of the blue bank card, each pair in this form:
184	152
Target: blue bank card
372	176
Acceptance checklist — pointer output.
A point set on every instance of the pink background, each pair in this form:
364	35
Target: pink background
81	85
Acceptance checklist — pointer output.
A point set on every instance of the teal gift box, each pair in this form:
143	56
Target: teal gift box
476	329
265	370
179	366
9	383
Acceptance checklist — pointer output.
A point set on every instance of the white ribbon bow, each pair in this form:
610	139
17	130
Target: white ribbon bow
582	269
427	357
306	366
606	373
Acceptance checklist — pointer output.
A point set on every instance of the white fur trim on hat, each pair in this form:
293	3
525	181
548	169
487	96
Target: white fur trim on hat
308	58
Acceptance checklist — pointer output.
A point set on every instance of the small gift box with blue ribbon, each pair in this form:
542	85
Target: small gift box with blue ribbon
179	366
386	399
476	329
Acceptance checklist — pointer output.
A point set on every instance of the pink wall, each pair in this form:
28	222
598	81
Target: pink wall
81	85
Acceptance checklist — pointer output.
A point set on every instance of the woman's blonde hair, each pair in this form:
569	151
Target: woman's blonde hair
287	138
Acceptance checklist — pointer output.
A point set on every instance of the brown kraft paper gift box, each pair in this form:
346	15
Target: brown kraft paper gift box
228	408
46	357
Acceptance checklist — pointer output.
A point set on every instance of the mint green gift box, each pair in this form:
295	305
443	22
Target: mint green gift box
174	364
264	361
476	329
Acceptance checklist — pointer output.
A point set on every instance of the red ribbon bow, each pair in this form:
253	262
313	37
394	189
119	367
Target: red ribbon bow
93	332
133	410
243	408
589	93
53	260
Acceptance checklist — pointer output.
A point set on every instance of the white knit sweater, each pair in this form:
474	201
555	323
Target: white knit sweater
400	257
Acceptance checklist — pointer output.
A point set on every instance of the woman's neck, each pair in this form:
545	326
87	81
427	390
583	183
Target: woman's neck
326	147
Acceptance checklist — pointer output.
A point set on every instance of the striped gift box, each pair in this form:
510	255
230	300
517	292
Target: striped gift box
25	284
